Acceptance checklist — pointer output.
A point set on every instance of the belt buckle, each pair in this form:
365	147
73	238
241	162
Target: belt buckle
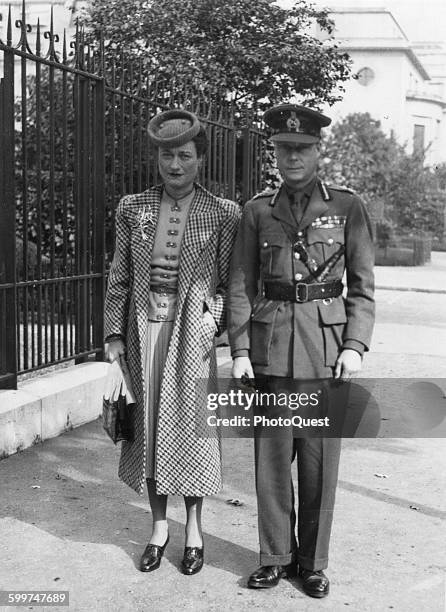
297	289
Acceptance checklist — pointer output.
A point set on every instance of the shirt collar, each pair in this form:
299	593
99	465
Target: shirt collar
306	191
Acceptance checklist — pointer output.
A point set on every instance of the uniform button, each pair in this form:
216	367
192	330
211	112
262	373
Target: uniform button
296	256
300	233
171	245
298	276
174	220
162	305
265	244
172	232
330	241
165	275
161	317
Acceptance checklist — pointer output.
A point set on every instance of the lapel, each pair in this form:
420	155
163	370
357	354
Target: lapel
317	206
282	211
147	215
147	219
202	222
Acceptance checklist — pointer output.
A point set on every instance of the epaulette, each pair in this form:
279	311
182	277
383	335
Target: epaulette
268	193
341	188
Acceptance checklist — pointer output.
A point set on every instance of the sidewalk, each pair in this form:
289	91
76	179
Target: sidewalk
67	523
430	278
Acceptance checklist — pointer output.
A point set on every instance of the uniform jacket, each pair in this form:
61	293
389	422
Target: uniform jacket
301	339
185	463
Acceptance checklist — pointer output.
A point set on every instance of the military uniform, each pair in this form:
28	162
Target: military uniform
287	313
301	340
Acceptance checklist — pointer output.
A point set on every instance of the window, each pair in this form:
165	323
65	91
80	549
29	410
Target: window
418	139
365	76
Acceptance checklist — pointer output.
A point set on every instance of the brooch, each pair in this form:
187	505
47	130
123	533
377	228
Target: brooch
145	218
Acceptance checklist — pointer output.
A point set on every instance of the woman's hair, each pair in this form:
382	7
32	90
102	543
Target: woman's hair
201	142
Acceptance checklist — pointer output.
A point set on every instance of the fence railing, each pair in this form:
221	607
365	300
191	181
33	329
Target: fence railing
73	127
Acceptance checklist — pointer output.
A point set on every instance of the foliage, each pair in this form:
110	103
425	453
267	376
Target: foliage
399	191
240	51
44	161
249	51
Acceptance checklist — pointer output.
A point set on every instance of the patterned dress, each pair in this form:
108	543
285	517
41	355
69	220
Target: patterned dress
162	307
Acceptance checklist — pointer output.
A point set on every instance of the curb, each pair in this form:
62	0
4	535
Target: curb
417	289
48	406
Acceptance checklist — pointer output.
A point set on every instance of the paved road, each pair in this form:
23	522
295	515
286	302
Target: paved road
402	308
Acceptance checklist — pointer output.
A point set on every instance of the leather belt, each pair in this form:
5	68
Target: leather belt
163	289
302	292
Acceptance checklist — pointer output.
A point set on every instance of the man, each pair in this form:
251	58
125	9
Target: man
288	322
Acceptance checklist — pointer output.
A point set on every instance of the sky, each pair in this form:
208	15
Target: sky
421	20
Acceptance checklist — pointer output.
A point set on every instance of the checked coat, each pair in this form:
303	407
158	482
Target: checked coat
186	464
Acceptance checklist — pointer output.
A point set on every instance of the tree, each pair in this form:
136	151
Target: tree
399	191
245	50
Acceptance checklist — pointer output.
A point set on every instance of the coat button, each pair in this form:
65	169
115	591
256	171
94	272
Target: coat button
330	241
298	276
296	255
265	244
300	233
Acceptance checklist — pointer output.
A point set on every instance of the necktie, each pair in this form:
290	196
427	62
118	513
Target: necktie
297	207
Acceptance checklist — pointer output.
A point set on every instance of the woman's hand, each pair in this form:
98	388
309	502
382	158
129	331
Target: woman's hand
114	350
209	319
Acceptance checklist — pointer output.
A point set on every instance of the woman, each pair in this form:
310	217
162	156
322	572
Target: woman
165	303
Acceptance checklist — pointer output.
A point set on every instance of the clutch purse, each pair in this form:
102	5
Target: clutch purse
118	403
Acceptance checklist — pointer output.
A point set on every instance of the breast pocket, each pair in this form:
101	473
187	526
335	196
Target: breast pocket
326	240
272	255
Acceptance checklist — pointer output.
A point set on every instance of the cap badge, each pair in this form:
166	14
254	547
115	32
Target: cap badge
293	122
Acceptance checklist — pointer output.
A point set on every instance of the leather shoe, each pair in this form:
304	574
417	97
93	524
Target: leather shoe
151	558
268	576
314	582
193	560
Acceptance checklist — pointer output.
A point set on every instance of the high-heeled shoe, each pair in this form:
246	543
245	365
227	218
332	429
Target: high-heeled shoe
151	557
193	560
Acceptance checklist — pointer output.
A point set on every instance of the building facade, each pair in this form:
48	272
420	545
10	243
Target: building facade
402	85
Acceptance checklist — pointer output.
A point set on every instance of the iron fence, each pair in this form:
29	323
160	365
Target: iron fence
73	127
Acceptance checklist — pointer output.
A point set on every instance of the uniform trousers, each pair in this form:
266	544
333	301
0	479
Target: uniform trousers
317	470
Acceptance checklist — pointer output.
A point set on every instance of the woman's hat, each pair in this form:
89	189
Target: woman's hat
173	128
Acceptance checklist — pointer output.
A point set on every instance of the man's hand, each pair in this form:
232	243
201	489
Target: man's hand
242	367
348	364
114	350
